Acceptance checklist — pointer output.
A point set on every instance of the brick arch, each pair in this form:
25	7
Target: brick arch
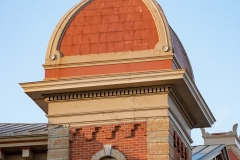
106	26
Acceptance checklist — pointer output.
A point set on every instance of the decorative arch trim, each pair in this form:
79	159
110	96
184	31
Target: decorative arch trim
108	151
164	43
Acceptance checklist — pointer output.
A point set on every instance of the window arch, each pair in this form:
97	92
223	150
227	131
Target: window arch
108	154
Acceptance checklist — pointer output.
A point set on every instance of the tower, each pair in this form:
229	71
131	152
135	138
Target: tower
118	85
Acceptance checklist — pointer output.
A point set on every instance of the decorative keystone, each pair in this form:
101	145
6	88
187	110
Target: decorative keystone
107	149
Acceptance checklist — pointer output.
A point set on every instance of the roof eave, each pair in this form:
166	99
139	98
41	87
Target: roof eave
178	78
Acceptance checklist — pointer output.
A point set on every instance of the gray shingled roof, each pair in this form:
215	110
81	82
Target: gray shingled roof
206	152
12	129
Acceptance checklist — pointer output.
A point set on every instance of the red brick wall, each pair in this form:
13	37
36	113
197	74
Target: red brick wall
108	69
110	26
130	139
232	156
180	150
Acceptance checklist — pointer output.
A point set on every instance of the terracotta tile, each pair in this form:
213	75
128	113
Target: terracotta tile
146	15
86	29
70	31
145	33
119	27
103	47
88	20
95	28
63	49
142	24
128	45
115	10
107	11
103	28
94	38
110	4
112	27
67	50
105	19
119	46
153	24
76	50
144	7
137	35
137	9
79	21
86	38
91	6
154	33
119	36
78	39
94	48
128	35
113	18
110	46
85	48
138	16
123	3
99	4
144	45
97	19
91	12
110	37
103	37
122	10
137	45
78	30
83	12
152	43
128	25
98	11
67	40
130	17
135	2
122	17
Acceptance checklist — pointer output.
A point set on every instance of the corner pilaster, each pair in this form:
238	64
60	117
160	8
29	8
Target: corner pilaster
58	143
160	139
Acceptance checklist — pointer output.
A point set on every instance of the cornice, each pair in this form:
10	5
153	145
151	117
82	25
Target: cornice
177	100
102	81
198	98
106	93
179	78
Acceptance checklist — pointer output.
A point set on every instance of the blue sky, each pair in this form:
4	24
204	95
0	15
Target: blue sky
209	31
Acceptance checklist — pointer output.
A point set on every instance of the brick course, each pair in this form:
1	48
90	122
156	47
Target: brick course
110	26
130	139
180	150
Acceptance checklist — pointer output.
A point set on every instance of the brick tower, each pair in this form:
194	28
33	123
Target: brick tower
118	85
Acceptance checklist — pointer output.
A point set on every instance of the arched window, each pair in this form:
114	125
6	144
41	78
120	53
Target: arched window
108	158
108	154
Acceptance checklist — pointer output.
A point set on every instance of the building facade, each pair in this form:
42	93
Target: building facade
230	139
118	85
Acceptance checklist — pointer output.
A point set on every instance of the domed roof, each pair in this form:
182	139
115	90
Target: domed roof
113	36
180	53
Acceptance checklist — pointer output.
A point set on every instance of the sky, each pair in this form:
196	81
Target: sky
209	31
